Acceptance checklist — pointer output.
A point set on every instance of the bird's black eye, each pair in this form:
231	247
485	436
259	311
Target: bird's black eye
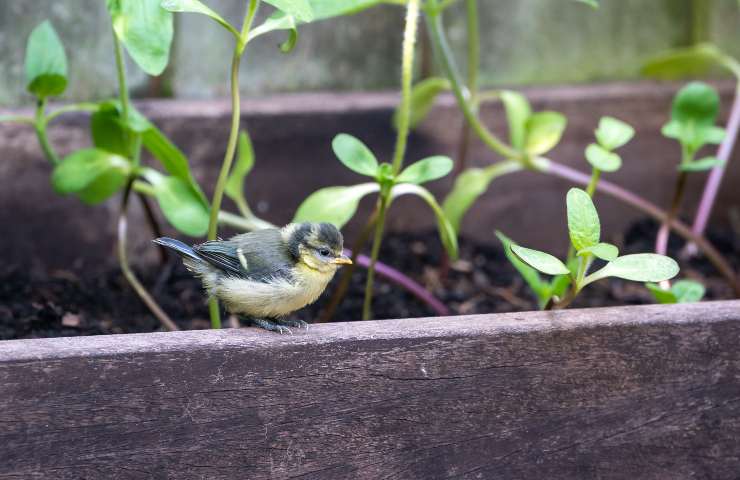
324	252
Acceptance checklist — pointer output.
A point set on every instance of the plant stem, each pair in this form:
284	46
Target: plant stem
72	107
121	72
591	188
654	211
446	60
473	31
715	178
218	192
384	200
377	240
126	268
407	73
661	240
153	225
40	126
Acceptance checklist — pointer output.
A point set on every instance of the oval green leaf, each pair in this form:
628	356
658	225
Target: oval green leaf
46	62
423	95
355	155
447	233
695	61
540	288
104	186
180	205
79	169
661	295
544	262
543	132
145	29
426	170
518	112
640	267
704	164
323	9
613	133
603	250
334	205
696	103
688	291
583	220
603	159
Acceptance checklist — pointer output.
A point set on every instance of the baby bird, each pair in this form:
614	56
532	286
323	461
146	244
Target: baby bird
267	274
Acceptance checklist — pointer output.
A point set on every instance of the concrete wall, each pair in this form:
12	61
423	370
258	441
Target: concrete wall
523	42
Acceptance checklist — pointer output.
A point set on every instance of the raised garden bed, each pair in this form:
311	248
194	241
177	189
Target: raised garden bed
627	392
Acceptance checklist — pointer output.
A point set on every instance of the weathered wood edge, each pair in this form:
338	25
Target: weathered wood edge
320	334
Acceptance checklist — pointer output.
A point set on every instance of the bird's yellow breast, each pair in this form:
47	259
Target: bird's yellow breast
273	298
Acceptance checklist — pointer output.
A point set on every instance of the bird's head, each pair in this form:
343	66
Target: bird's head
317	245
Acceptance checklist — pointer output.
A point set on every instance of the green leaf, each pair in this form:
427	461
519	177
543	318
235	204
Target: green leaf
688	291
518	112
80	169
180	205
323	9
603	159
334	205
447	234
613	133
544	262
195	6
426	170
107	131
145	29
603	250
46	62
683	291
278	21
583	220
299	9
470	185
696	103
694	61
355	155
591	3
423	95
543	132
661	295
244	163
104	186
540	288
640	267
706	163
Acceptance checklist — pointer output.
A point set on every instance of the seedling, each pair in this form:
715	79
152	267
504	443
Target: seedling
693	116
585	232
683	291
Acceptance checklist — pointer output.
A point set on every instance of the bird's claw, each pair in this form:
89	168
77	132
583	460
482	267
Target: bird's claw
271	326
295	323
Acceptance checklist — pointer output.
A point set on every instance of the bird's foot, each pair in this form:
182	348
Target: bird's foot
293	323
271	326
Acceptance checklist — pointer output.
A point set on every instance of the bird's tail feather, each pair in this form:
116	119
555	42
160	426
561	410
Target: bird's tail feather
182	249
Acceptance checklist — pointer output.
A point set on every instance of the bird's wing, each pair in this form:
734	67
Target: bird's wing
259	255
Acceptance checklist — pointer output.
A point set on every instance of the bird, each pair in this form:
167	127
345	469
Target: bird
264	275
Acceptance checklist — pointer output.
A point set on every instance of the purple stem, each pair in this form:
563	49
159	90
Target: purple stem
715	178
402	280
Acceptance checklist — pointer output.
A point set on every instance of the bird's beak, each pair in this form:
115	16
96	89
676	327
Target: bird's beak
343	260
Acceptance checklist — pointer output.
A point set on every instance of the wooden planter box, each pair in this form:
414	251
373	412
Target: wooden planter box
631	392
292	136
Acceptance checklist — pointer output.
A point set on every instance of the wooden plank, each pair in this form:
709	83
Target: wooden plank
633	392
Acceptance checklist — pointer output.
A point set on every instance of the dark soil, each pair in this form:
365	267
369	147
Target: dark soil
64	303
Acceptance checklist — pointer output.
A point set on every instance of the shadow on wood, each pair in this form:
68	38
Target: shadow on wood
630	392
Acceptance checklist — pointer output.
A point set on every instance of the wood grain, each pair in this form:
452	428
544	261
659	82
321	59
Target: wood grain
634	392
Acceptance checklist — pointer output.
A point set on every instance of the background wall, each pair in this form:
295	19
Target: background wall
523	42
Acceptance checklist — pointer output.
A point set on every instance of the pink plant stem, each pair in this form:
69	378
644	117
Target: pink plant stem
715	178
654	211
402	280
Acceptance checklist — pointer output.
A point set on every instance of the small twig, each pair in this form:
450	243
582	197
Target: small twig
126	268
661	240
